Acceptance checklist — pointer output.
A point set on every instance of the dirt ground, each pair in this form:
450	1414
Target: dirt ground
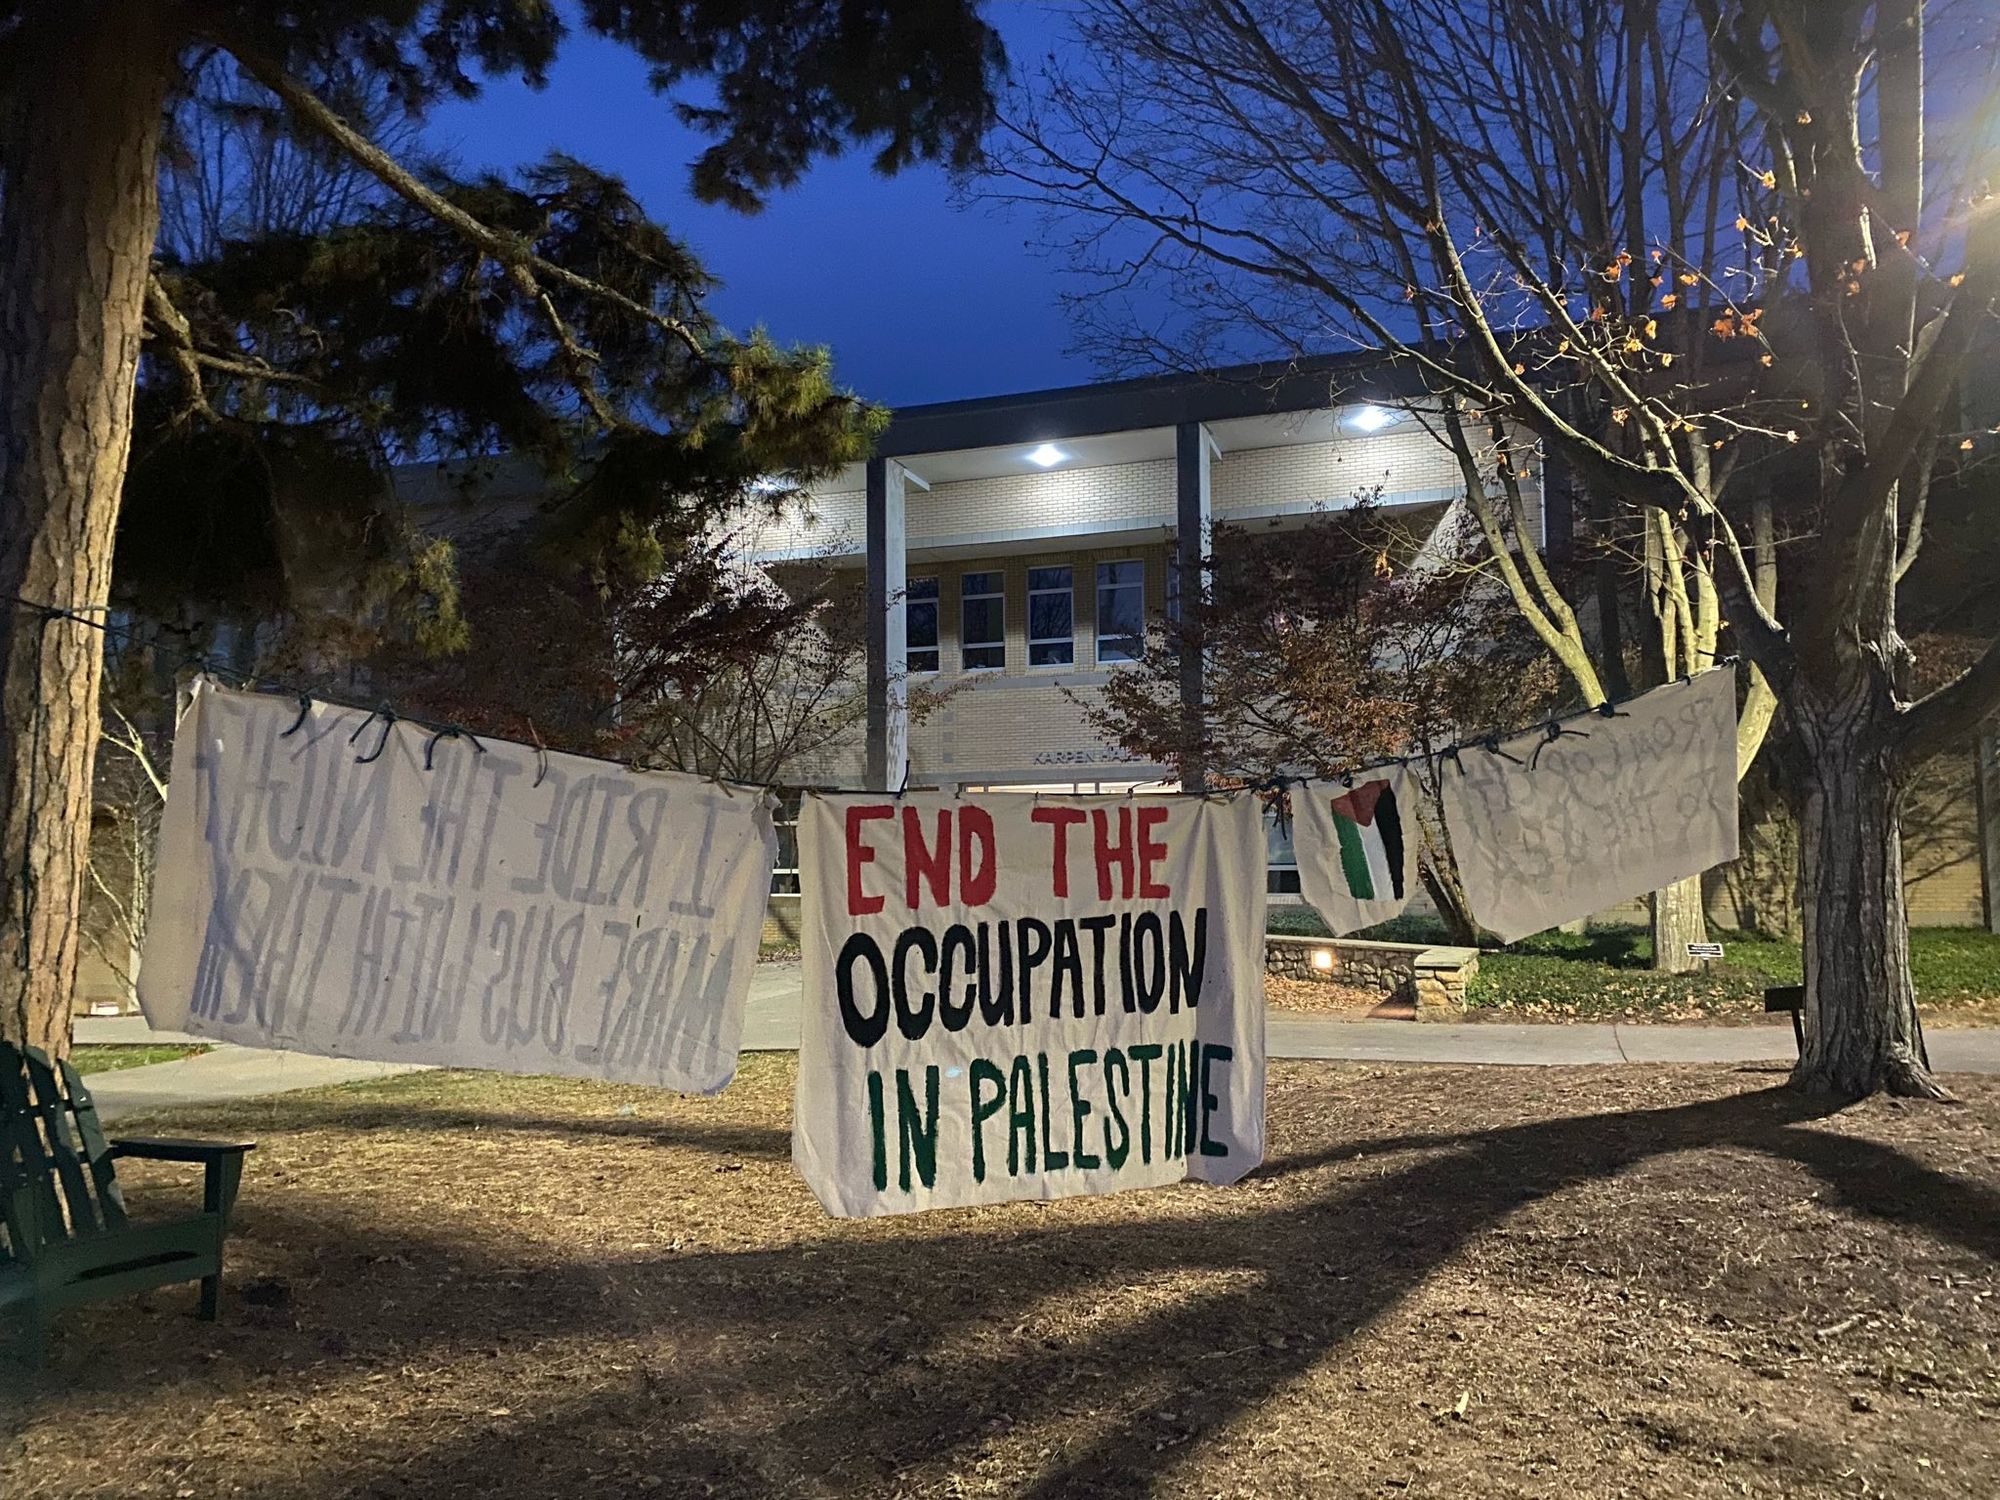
1445	1282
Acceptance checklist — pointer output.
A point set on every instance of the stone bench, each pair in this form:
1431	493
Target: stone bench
1432	978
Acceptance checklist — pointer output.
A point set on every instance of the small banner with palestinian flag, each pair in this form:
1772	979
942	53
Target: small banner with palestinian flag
1356	846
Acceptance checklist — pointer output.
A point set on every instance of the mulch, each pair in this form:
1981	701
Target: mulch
1444	1282
1328	998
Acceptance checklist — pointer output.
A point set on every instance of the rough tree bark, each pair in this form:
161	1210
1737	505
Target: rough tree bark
1442	886
1679	917
78	213
1861	1026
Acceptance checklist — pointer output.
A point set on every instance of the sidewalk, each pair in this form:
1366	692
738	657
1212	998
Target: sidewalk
772	1025
1963	1051
216	1077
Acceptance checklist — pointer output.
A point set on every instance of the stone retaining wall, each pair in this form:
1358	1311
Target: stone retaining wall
1431	978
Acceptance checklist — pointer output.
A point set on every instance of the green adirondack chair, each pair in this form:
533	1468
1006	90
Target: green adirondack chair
67	1238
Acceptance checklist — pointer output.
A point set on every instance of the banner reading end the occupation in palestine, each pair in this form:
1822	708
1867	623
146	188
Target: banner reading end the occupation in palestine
331	882
1028	997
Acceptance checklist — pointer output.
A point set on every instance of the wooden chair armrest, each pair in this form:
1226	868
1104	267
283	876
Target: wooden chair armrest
221	1162
168	1148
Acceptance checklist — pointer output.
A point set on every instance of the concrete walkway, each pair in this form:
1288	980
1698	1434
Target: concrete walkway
226	1073
772	1025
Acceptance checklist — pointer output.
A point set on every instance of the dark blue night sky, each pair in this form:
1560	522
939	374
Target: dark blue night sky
920	300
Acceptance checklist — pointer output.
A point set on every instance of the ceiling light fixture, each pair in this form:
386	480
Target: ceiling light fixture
1047	456
1372	418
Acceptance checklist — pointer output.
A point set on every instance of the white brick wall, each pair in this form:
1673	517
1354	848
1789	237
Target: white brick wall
835	521
1408	465
1110	496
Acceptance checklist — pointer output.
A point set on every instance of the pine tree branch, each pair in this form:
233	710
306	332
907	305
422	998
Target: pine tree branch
179	340
509	250
174	331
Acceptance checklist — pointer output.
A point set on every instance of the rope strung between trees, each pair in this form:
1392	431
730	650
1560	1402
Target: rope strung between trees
1551	729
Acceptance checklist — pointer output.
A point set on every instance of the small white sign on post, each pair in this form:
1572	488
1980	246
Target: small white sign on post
333	882
1704	950
1028	997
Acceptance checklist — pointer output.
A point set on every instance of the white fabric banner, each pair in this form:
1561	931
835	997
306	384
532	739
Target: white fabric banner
1013	996
474	904
1613	809
1356	846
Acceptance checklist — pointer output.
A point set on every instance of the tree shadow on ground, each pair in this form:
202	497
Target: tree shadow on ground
335	1112
1615	947
837	1364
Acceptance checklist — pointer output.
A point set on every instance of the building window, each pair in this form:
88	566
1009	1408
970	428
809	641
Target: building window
785	866
1051	613
1281	864
982	621
1121	610
920	629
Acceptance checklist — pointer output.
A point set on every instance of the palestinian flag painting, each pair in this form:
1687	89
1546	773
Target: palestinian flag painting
1356	864
1370	826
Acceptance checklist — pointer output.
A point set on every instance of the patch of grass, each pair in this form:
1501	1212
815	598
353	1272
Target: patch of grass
1524	984
108	1059
1303	921
1605	973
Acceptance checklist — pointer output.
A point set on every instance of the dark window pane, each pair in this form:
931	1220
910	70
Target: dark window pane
975	657
1048	617
1121	624
923	588
1048	578
983	622
970	584
923	625
1120	572
924	661
1120	612
1051	653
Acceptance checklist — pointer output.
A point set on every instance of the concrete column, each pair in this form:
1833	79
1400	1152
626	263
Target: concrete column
1193	449
888	639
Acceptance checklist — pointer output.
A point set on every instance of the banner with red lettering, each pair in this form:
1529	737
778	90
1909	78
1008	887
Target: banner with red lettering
1015	996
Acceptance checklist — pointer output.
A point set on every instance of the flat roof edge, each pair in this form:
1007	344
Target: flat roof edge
1266	389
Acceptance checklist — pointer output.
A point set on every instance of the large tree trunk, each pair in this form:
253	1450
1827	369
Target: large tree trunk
1861	1028
1679	918
78	212
1448	896
1438	871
